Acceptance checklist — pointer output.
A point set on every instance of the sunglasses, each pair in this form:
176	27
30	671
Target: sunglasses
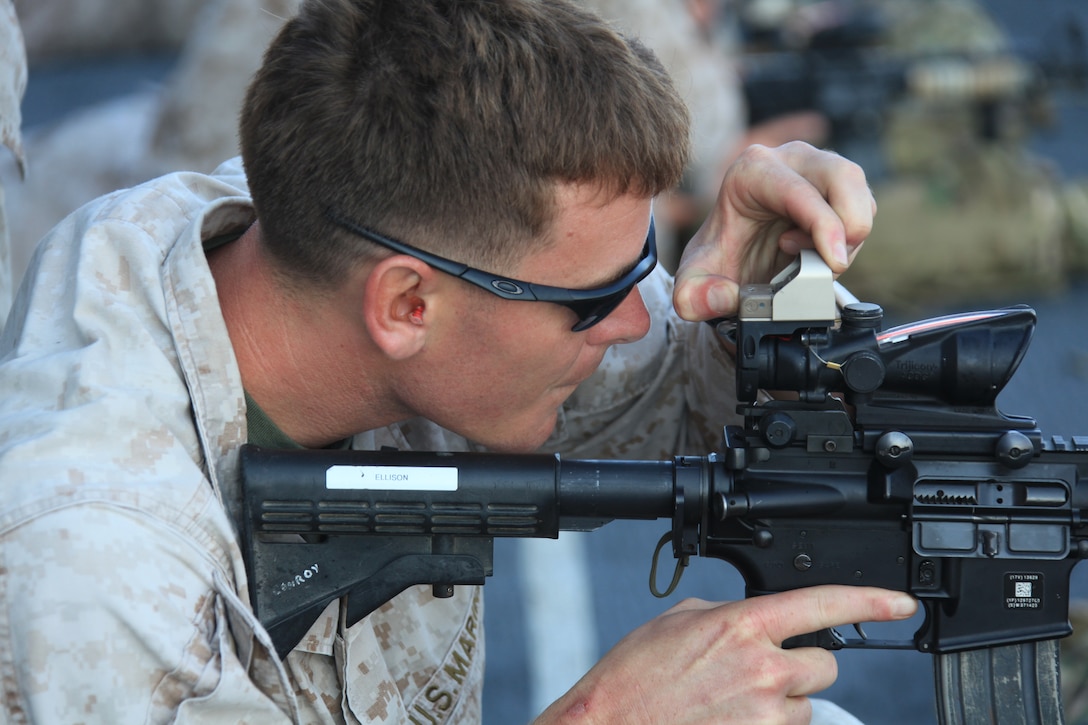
590	305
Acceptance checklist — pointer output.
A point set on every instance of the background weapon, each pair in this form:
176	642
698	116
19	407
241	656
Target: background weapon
862	63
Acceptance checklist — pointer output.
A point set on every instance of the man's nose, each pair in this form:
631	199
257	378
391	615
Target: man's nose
630	321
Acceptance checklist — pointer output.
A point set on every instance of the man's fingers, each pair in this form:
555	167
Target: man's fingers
701	295
819	192
772	203
830	210
693	604
814	670
814	608
799	710
838	180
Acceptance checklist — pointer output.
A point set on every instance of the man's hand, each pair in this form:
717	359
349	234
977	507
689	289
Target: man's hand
702	662
773	203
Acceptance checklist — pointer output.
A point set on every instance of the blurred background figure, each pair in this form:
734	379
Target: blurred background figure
62	30
699	43
938	104
12	86
196	57
932	97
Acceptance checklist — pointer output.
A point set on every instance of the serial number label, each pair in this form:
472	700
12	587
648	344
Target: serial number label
1023	591
391	478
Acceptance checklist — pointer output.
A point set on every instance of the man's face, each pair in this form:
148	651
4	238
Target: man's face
498	370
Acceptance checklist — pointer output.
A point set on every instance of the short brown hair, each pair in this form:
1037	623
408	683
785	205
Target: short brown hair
448	124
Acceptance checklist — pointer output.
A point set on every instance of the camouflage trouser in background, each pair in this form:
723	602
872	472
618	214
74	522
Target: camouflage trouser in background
994	227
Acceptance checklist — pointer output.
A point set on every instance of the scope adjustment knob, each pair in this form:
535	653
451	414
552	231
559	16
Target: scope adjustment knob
778	429
862	315
863	372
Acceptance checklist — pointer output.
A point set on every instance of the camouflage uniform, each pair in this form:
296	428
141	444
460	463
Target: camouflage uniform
12	85
124	591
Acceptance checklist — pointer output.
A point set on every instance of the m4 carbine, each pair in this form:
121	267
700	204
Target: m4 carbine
883	460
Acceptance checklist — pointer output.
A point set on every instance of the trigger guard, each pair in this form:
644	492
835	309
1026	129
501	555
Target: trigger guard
828	639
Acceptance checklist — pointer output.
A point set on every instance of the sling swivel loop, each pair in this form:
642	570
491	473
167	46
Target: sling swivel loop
681	562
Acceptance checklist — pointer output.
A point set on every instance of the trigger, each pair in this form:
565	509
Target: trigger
828	639
860	631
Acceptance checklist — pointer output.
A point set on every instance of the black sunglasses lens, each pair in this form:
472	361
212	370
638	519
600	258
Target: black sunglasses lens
590	313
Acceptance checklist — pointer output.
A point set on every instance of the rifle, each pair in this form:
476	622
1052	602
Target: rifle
889	465
855	76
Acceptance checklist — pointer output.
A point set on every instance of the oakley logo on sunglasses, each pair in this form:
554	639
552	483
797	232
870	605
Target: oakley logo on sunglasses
505	285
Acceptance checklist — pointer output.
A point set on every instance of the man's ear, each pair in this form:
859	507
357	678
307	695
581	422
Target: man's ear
395	299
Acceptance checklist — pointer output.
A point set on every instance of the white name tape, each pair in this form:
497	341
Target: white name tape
391	478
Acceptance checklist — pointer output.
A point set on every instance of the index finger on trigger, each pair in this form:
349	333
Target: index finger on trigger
811	609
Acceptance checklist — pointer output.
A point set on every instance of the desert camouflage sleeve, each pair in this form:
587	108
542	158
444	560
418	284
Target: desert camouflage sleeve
669	393
12	86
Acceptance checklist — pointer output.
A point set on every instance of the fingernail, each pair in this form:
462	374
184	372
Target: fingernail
904	606
717	299
839	251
